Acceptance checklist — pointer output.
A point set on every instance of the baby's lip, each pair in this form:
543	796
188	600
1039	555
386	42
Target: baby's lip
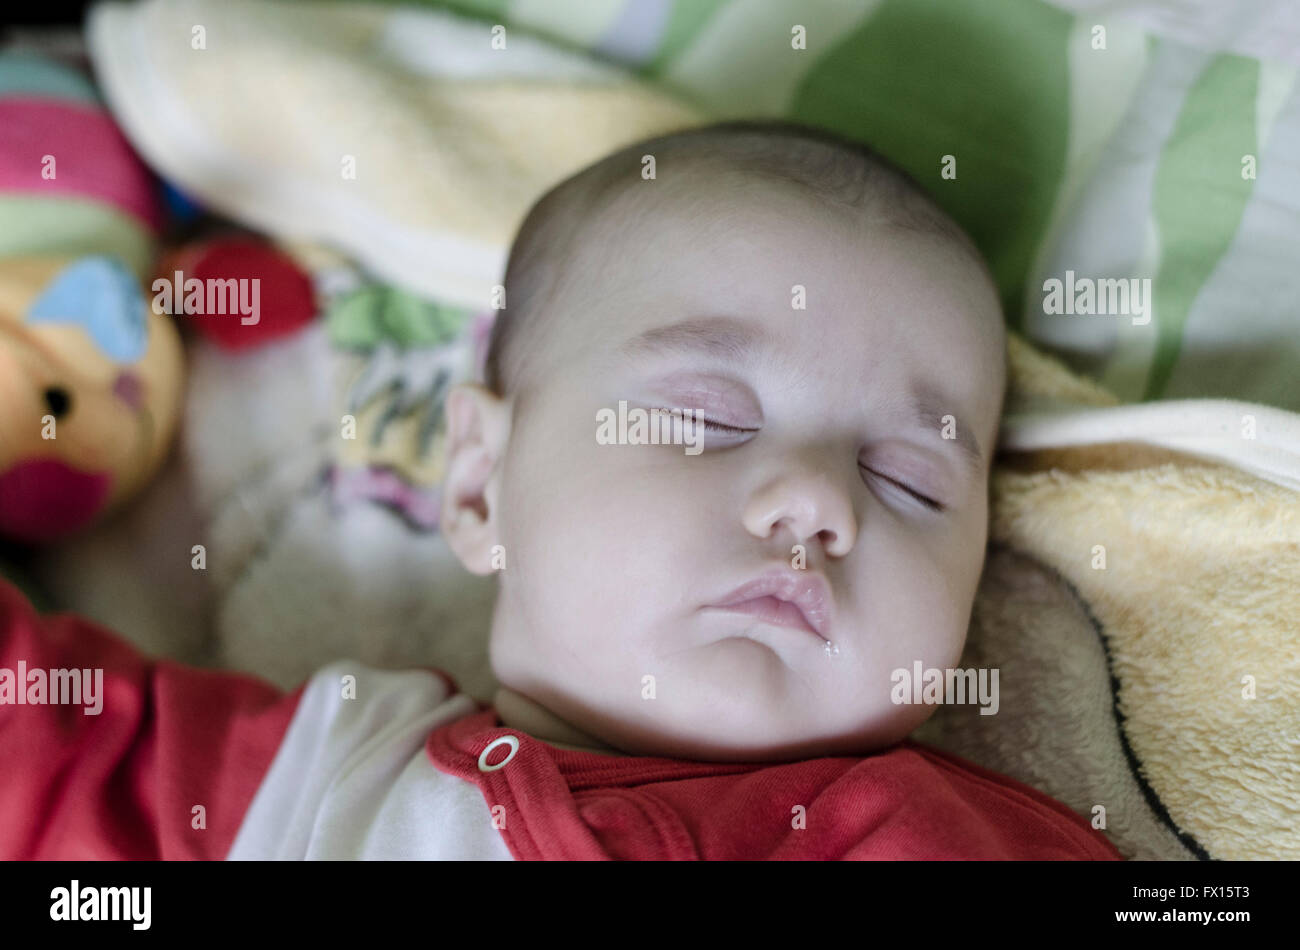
808	592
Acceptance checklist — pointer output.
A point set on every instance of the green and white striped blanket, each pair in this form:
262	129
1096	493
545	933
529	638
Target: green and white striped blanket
1115	139
1126	144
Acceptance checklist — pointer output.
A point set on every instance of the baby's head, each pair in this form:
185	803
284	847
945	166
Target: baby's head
844	342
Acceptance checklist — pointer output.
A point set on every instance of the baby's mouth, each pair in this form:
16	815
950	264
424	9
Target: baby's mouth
784	597
774	610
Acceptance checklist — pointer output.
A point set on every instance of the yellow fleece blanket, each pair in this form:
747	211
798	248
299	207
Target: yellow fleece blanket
1142	601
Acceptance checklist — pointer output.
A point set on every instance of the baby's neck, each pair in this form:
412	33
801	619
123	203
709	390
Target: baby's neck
519	712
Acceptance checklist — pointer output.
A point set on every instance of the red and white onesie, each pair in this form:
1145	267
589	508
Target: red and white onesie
189	763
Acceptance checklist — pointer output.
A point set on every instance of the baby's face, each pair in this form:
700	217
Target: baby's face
618	557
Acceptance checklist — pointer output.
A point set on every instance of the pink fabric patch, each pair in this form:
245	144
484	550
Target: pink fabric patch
383	486
92	157
43	500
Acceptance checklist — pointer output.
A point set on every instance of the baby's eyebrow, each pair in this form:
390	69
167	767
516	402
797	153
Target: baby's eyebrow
724	338
926	406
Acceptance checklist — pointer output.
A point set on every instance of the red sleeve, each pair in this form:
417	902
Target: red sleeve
124	783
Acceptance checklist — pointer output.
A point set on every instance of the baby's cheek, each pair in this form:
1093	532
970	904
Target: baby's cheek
920	603
578	531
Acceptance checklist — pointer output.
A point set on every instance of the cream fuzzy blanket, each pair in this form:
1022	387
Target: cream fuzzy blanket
1142	601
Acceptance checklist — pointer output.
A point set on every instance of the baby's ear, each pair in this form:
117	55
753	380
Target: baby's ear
478	429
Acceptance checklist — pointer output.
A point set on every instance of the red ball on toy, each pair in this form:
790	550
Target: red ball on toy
238	292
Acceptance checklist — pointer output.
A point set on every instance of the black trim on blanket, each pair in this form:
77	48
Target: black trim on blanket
1135	766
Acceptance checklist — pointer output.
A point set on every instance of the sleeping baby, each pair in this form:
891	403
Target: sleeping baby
697	650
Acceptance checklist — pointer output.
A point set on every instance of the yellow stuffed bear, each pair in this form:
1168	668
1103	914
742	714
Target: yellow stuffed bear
90	390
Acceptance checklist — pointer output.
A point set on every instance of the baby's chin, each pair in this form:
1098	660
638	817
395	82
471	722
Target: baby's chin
795	751
727	698
710	740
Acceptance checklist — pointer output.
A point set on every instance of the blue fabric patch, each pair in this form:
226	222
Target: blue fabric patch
100	295
181	205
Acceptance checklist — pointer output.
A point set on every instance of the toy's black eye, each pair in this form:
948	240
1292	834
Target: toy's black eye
58	400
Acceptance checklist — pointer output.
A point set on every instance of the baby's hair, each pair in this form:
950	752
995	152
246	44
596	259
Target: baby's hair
841	171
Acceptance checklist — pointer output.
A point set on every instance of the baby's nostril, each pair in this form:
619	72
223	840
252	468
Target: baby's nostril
58	401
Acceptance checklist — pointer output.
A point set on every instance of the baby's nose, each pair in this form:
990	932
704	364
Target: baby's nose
810	504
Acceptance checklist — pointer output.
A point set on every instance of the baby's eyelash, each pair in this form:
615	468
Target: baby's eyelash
737	430
709	423
923	499
721	427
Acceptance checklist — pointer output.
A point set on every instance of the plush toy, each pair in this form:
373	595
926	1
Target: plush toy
90	376
89	392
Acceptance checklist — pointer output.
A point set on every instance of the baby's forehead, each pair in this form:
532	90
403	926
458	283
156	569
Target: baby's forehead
783	260
780	251
710	208
703	195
